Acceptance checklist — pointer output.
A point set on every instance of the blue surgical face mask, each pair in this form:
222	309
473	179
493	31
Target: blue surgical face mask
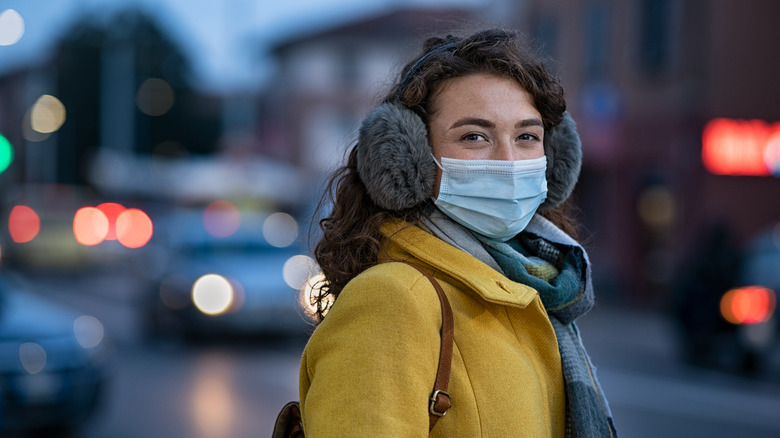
495	198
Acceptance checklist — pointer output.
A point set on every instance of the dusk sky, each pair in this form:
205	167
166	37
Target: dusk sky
225	39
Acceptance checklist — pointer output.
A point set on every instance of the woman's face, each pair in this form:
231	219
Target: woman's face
484	117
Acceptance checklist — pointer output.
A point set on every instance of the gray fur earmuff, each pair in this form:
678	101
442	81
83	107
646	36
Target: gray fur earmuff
395	163
394	159
563	149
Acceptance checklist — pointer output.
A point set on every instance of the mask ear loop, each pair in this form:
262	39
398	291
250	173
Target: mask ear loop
436	196
437	162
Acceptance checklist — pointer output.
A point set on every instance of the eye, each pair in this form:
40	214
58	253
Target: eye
473	137
528	137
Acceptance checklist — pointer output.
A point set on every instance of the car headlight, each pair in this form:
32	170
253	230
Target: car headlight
213	294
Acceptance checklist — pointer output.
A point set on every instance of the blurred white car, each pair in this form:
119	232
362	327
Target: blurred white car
243	281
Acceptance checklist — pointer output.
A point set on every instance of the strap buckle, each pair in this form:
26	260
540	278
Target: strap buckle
435	399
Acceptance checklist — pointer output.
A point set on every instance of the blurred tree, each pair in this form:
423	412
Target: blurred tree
103	70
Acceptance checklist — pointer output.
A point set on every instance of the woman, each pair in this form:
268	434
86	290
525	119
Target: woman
448	174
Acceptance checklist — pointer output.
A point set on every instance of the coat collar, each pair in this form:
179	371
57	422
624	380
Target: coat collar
405	241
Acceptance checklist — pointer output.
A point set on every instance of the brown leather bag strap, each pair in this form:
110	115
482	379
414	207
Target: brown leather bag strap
440	399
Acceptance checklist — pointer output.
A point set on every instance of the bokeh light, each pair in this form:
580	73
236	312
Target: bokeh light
213	403
239	296
90	226
6	153
280	229
47	114
33	357
134	228
112	210
308	299
748	305
735	147
154	97
297	270
24	224
221	218
11	27
656	206
88	330
28	132
772	152
212	294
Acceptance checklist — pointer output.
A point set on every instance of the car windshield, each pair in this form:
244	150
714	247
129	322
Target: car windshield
215	247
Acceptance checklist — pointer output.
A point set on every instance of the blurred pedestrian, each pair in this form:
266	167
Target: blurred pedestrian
462	170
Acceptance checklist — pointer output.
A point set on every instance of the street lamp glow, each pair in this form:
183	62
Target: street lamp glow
280	229
47	114
11	27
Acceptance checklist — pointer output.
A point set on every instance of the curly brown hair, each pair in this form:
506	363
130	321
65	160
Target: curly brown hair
350	241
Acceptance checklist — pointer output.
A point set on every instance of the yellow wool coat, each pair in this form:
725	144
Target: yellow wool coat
369	367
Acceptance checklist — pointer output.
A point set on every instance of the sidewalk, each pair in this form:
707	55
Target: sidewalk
645	341
641	340
653	393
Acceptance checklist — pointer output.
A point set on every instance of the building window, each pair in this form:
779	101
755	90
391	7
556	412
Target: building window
350	66
655	19
597	40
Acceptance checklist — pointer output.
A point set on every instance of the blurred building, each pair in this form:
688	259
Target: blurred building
643	79
122	85
111	113
114	106
328	80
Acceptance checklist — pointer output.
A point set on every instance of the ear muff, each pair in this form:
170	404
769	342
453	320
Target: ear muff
394	158
563	149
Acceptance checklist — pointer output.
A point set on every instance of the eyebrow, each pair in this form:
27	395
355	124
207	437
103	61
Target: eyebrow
529	122
488	124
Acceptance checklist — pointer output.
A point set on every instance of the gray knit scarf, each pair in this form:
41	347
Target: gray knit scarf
550	261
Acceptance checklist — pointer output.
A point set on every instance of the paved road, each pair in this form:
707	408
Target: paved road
652	394
217	390
197	392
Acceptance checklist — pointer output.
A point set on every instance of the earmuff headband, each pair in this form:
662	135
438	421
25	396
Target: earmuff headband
416	66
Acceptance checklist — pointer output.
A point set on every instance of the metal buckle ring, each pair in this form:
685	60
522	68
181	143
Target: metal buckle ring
434	399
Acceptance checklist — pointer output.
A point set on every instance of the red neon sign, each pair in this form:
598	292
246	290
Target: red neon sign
741	147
